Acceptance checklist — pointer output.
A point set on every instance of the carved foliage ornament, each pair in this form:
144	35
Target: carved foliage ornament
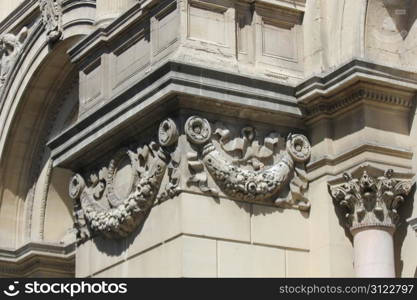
10	48
246	178
52	18
371	200
116	199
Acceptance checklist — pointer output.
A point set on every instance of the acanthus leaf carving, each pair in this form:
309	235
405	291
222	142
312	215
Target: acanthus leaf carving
117	211
52	18
258	183
371	200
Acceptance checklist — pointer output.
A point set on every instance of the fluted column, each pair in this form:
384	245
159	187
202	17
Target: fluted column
108	10
371	198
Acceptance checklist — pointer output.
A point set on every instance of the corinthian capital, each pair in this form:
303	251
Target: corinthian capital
371	196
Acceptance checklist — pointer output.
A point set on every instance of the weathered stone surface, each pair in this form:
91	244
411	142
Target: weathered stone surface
371	197
204	134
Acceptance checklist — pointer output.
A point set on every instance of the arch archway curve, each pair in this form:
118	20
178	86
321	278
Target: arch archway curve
36	81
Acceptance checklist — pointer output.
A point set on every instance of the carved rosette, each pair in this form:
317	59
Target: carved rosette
52	18
254	182
371	200
116	199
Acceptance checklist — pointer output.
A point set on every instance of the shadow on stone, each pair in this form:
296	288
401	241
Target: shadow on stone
405	211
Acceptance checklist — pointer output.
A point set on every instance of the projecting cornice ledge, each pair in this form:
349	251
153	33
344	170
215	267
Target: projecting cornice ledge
38	259
175	86
356	82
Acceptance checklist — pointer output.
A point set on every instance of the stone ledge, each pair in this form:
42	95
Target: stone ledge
334	160
357	82
160	87
354	71
39	260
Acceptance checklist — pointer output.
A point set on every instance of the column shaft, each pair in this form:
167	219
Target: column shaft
374	252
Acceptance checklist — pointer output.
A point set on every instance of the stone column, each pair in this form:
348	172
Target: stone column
371	198
108	10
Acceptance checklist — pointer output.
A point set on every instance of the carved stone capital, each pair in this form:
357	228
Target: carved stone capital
52	18
371	197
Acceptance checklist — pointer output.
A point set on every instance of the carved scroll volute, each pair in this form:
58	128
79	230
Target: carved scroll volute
259	184
116	199
370	200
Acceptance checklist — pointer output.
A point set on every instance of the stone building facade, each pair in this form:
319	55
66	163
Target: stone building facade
208	138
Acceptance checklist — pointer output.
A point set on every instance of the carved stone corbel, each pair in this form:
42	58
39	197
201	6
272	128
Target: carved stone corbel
116	210
246	178
52	18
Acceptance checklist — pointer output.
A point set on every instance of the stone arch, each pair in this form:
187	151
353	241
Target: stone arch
39	101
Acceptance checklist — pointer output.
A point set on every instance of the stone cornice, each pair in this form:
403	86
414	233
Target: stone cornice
176	79
330	106
38	259
354	83
334	160
357	70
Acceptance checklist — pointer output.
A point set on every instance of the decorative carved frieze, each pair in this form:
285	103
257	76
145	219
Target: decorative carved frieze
324	106
257	166
116	199
10	48
371	197
52	18
245	176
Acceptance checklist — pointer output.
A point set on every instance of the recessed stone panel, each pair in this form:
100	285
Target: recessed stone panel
207	22
130	59
91	83
278	41
167	27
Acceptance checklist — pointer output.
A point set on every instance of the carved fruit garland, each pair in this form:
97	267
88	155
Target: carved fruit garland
239	183
115	216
